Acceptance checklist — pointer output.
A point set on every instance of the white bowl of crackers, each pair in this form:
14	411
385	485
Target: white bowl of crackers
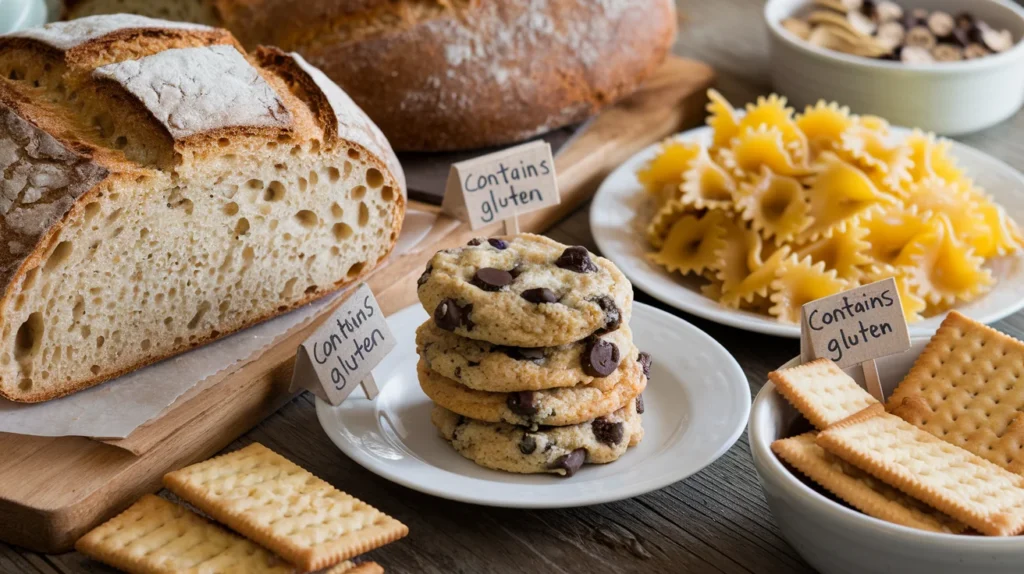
948	66
928	482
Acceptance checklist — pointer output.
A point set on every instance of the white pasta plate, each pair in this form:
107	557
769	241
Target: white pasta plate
620	212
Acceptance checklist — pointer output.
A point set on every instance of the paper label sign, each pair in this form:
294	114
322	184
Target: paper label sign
855	326
501	185
342	353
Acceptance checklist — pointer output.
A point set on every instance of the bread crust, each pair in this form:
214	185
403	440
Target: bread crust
456	74
105	169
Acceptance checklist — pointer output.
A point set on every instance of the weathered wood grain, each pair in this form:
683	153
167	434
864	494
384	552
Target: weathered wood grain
715	521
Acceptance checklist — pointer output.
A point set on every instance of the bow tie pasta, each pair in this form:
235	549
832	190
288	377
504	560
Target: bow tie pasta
783	208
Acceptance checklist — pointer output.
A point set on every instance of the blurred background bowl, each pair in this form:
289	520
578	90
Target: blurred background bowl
950	98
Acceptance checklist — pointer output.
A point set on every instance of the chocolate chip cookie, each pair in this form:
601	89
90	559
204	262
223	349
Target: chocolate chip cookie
556	407
496	368
526	291
558	450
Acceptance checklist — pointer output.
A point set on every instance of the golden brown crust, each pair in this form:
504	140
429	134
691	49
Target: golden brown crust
457	91
455	74
50	112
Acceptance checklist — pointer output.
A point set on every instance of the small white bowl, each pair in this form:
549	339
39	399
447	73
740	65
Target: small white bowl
836	539
950	98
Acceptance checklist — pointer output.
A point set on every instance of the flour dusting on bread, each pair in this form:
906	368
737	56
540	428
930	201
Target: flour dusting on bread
165	189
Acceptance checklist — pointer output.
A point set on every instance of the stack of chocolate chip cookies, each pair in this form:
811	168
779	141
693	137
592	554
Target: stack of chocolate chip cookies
528	355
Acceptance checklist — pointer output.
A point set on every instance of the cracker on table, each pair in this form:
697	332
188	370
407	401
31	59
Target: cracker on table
348	567
858	488
967	388
982	495
276	503
822	392
156	536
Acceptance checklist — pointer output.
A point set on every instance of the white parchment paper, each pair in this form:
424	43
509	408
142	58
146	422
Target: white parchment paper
115	408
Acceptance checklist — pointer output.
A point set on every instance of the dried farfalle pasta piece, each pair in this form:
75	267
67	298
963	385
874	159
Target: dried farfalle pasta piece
841	249
775	205
873	123
735	261
692	243
932	158
761	147
890	231
875	152
799	281
942	268
823	124
663	175
762	273
839	191
1001	235
666	216
722	119
706	185
935	195
772	112
913	304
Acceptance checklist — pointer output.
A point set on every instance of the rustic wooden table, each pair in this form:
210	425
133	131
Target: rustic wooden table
715	521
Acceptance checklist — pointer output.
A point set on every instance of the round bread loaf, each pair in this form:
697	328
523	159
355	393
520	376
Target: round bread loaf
164	188
443	75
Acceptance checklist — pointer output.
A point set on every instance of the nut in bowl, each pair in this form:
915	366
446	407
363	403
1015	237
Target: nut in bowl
929	482
952	82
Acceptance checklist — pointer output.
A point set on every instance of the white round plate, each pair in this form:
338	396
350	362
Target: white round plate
697	404
620	212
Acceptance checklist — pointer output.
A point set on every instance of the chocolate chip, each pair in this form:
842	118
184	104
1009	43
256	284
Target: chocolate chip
534	354
516	271
570	463
527	444
607	432
522	403
576	259
645	361
640	404
423	278
600	358
499	244
491	279
475	241
449	315
540	295
613	317
473	363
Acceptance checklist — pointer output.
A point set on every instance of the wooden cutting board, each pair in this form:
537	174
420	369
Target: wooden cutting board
52	490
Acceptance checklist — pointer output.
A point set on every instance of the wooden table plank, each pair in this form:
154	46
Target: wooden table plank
715	521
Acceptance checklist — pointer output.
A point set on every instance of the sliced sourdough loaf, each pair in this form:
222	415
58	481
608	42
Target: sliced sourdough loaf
163	188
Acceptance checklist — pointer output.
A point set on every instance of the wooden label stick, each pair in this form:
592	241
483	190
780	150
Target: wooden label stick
856	327
342	353
512	225
498	186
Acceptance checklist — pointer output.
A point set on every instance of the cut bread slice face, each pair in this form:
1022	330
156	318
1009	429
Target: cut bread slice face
163	188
